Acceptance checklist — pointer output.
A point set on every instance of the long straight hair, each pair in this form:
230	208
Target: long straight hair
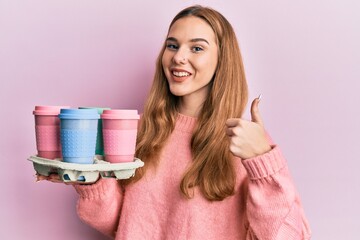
212	169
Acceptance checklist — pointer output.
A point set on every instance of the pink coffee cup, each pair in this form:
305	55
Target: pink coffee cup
119	133
47	131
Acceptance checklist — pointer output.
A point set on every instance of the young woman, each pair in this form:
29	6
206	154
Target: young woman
208	174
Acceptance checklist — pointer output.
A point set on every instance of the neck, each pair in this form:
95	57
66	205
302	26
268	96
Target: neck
191	105
190	108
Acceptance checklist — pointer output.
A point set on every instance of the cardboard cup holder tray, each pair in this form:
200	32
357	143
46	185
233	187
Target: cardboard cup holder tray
88	173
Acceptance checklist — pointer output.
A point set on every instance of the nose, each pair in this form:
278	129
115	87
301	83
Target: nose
180	57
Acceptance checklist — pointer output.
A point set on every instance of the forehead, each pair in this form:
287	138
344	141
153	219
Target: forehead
191	27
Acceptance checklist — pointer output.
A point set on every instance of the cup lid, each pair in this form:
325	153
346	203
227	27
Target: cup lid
99	109
48	110
72	113
120	114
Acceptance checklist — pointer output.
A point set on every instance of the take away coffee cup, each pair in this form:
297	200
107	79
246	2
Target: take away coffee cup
47	131
99	140
119	132
78	132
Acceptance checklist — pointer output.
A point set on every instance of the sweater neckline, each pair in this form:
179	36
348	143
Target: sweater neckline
185	123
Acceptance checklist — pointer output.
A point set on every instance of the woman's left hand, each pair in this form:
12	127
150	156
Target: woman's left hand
248	138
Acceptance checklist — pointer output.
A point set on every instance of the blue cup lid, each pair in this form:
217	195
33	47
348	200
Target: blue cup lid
79	114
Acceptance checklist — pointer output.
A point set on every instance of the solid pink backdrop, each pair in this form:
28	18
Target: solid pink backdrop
302	56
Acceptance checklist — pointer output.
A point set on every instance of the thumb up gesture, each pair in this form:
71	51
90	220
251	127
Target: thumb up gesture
248	138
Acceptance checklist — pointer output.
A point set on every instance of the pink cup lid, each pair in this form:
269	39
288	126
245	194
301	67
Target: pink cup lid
120	114
48	110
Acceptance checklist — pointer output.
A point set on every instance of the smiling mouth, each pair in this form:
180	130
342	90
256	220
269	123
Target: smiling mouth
180	74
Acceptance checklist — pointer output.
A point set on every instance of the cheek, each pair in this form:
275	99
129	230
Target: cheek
165	64
207	67
207	62
214	62
163	60
166	59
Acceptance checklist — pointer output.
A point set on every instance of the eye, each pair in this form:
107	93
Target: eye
171	46
197	49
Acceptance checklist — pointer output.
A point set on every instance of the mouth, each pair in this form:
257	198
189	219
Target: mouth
180	73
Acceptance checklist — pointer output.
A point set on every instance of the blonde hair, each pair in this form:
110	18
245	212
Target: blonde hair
212	169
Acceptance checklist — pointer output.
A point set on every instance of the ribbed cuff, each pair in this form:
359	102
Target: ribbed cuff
98	189
265	165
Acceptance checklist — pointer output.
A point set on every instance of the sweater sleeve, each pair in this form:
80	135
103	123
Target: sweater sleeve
274	209
99	205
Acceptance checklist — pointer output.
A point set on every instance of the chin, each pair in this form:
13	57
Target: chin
177	92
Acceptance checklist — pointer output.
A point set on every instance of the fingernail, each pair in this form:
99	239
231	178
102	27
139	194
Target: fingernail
259	97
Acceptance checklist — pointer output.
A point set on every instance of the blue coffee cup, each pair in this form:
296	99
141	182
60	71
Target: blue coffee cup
99	141
78	134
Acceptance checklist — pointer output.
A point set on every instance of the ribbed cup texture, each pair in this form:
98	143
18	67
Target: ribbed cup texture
78	142
48	138
119	142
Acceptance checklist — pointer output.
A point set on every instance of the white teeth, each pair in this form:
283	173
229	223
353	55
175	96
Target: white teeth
181	74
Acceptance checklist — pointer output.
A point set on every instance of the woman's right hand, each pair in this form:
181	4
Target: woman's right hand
53	177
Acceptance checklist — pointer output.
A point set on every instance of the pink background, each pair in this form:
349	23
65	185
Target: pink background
303	56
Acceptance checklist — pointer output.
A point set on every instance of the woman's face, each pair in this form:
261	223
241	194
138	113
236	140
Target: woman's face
190	58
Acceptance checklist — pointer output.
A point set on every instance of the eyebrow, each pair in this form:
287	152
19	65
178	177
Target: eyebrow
191	40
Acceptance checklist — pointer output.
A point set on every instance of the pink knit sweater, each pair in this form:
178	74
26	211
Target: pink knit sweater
265	206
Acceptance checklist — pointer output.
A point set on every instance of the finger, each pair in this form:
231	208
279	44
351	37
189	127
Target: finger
232	122
229	132
232	131
52	178
40	177
255	113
